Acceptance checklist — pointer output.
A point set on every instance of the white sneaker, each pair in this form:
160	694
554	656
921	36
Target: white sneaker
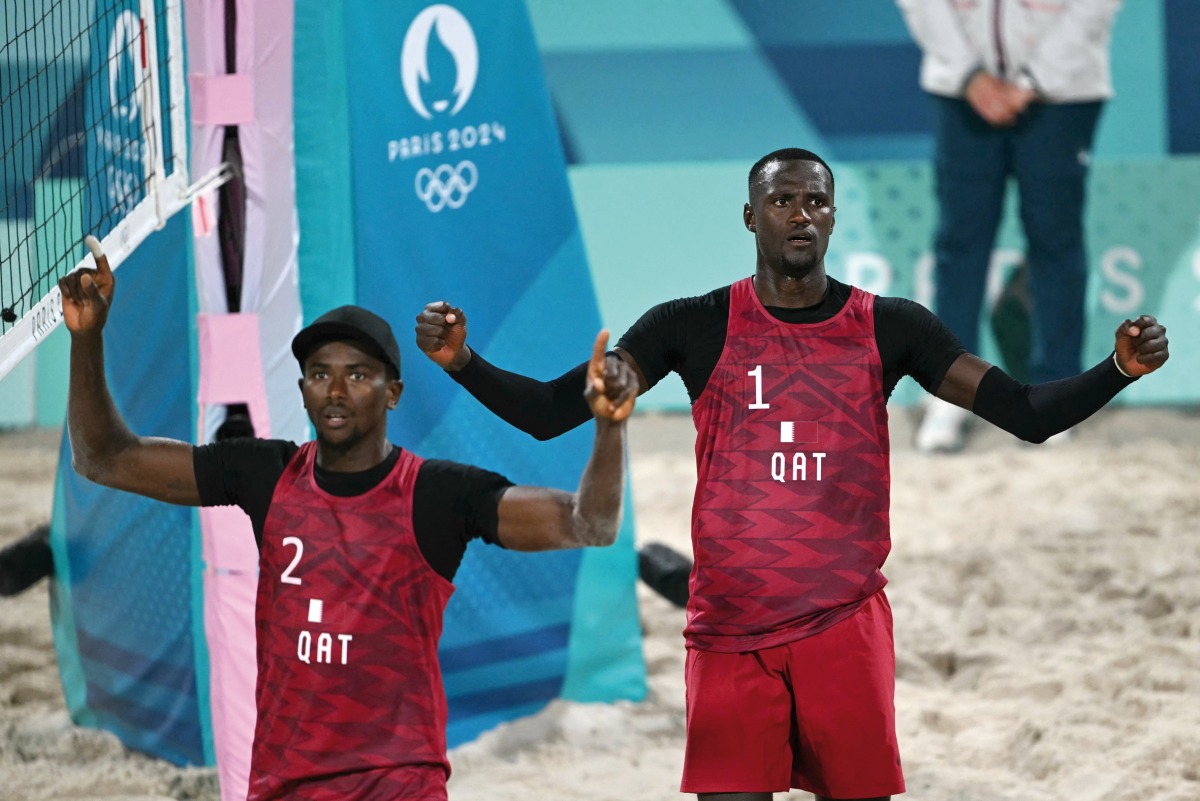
944	429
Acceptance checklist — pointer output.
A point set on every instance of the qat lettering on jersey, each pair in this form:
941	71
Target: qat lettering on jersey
802	467
323	651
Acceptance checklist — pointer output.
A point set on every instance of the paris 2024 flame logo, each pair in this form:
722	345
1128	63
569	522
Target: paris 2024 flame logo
439	67
455	35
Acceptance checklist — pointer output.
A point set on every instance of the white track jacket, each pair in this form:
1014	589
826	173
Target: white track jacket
1058	47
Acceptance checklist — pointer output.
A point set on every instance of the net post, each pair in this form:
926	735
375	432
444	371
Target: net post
152	121
177	107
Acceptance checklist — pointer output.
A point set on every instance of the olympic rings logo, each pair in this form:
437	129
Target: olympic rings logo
445	185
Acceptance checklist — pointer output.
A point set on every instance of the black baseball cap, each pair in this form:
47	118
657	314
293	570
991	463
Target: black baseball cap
349	324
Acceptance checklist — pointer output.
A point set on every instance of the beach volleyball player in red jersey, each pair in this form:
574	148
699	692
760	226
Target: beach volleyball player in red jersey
359	540
791	669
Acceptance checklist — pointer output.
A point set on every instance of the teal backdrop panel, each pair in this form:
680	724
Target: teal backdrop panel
458	191
324	201
718	80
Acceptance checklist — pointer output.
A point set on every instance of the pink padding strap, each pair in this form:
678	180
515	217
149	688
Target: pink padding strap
221	99
231	366
229	628
231	371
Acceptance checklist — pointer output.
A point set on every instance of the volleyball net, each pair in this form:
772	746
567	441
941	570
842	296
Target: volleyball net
93	139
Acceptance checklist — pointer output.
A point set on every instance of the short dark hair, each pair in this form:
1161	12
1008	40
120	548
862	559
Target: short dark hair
785	154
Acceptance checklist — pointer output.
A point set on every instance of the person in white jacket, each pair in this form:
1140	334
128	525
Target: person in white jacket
1018	88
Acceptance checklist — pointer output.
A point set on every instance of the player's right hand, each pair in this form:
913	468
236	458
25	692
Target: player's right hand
442	335
87	293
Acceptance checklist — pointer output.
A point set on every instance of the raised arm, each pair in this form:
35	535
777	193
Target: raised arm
541	519
103	449
1035	413
542	409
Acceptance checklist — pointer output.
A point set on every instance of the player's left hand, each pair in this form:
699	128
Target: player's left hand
1141	345
87	293
612	385
442	335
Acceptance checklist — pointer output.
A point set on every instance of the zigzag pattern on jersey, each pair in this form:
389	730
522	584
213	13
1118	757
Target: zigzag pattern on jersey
789	537
350	688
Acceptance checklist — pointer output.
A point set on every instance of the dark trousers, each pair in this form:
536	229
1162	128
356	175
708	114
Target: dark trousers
1048	153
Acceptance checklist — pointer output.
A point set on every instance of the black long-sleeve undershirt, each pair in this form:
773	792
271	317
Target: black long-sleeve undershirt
1035	413
542	409
686	336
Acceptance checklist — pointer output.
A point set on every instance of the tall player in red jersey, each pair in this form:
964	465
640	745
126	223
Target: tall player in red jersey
790	669
359	540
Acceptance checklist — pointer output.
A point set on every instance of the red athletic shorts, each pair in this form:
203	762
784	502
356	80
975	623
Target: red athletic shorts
818	714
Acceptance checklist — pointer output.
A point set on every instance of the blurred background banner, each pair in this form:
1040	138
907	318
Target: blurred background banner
458	186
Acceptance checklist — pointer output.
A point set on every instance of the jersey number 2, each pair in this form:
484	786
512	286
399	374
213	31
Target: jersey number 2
287	577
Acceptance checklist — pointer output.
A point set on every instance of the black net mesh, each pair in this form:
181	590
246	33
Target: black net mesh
78	144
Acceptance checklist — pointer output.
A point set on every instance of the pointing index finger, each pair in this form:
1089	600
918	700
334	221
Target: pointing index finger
596	366
599	348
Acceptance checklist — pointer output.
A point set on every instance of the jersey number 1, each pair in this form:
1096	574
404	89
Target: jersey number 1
758	401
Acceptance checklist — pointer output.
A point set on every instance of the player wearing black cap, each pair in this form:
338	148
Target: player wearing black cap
354	324
359	540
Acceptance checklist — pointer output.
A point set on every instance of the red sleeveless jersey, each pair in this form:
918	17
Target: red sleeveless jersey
350	698
790	519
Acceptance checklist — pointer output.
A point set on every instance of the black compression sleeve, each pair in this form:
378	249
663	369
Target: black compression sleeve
542	409
1035	413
